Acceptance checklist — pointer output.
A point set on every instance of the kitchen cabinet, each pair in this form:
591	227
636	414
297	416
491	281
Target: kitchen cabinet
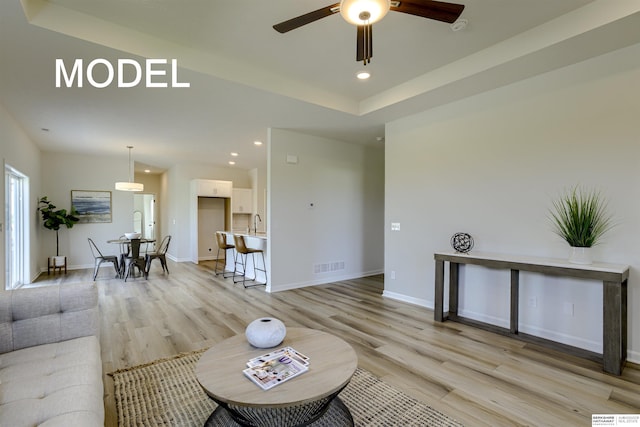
213	188
242	200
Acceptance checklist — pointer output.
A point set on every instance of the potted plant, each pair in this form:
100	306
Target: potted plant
580	217
53	219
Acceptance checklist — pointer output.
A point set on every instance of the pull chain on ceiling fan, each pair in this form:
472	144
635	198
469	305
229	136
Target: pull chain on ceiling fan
364	13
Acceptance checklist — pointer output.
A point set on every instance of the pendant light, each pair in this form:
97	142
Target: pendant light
129	185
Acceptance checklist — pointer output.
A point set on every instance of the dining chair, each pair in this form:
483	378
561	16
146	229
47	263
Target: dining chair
160	253
133	259
99	258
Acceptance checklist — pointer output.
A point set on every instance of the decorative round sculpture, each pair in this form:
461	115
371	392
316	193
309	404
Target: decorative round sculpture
265	332
462	242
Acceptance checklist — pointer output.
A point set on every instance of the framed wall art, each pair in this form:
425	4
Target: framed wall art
92	206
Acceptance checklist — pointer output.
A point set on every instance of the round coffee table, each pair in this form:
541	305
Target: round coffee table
308	399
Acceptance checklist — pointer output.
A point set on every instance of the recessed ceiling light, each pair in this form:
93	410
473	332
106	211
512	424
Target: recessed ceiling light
234	154
257	142
147	171
363	75
231	162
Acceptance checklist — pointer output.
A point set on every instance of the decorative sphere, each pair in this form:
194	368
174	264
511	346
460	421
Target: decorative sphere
462	242
265	332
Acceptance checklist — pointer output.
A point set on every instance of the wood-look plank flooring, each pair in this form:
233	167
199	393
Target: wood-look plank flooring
479	378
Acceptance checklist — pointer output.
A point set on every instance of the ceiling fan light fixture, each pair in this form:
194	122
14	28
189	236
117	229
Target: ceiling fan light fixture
359	12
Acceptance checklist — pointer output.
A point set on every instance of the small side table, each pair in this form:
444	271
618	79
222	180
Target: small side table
57	262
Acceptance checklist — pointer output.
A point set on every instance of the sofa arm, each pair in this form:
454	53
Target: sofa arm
34	316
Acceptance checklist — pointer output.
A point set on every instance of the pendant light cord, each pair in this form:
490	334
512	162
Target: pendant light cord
130	177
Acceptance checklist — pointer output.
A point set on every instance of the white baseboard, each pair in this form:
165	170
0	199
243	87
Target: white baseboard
411	300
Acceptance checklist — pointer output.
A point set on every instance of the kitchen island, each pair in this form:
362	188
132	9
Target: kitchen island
252	241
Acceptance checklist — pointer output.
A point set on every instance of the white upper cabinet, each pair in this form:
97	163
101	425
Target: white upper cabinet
242	200
213	188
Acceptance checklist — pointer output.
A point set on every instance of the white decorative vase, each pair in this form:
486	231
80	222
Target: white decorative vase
580	256
265	332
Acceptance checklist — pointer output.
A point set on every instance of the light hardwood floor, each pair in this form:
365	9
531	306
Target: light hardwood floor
479	378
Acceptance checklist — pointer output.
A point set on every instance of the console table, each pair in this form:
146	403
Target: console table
614	281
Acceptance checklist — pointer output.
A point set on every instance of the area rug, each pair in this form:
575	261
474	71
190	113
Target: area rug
166	393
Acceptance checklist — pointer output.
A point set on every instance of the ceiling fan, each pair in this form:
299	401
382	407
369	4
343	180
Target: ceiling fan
364	13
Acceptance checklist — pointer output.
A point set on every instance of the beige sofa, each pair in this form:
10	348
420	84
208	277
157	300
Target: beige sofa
50	365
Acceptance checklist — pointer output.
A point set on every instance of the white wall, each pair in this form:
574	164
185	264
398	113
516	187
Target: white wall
490	165
345	184
63	172
18	151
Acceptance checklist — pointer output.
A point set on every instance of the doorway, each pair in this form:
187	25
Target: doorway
16	228
144	215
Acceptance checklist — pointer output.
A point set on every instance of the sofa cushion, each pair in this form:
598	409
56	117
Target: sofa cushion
34	316
57	384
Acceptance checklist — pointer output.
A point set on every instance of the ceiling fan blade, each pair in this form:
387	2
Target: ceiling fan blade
364	43
307	18
440	11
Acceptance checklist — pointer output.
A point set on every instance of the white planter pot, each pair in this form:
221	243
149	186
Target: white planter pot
580	256
265	332
58	261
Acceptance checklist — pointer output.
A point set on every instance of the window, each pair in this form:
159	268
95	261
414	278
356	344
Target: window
16	228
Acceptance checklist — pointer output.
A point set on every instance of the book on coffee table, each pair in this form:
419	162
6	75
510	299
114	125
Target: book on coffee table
276	367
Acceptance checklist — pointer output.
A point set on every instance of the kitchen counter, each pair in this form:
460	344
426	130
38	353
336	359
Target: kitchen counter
258	235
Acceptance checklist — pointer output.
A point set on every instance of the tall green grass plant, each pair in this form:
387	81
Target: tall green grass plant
580	217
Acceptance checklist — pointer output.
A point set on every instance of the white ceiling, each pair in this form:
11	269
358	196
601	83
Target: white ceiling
245	77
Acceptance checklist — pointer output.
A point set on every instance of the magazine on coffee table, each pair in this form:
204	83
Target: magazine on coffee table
276	367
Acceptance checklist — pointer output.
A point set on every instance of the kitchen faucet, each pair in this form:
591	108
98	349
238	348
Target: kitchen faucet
256	218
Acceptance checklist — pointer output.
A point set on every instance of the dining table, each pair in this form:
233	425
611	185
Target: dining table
125	245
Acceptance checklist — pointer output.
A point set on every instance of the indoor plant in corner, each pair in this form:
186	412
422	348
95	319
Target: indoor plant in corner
53	219
580	217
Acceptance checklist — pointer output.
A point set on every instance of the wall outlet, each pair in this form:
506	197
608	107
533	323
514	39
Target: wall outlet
395	226
393	275
532	302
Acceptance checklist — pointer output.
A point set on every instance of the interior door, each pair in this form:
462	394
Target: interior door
144	215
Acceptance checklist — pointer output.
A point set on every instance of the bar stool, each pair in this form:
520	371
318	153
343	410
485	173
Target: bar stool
243	251
221	238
